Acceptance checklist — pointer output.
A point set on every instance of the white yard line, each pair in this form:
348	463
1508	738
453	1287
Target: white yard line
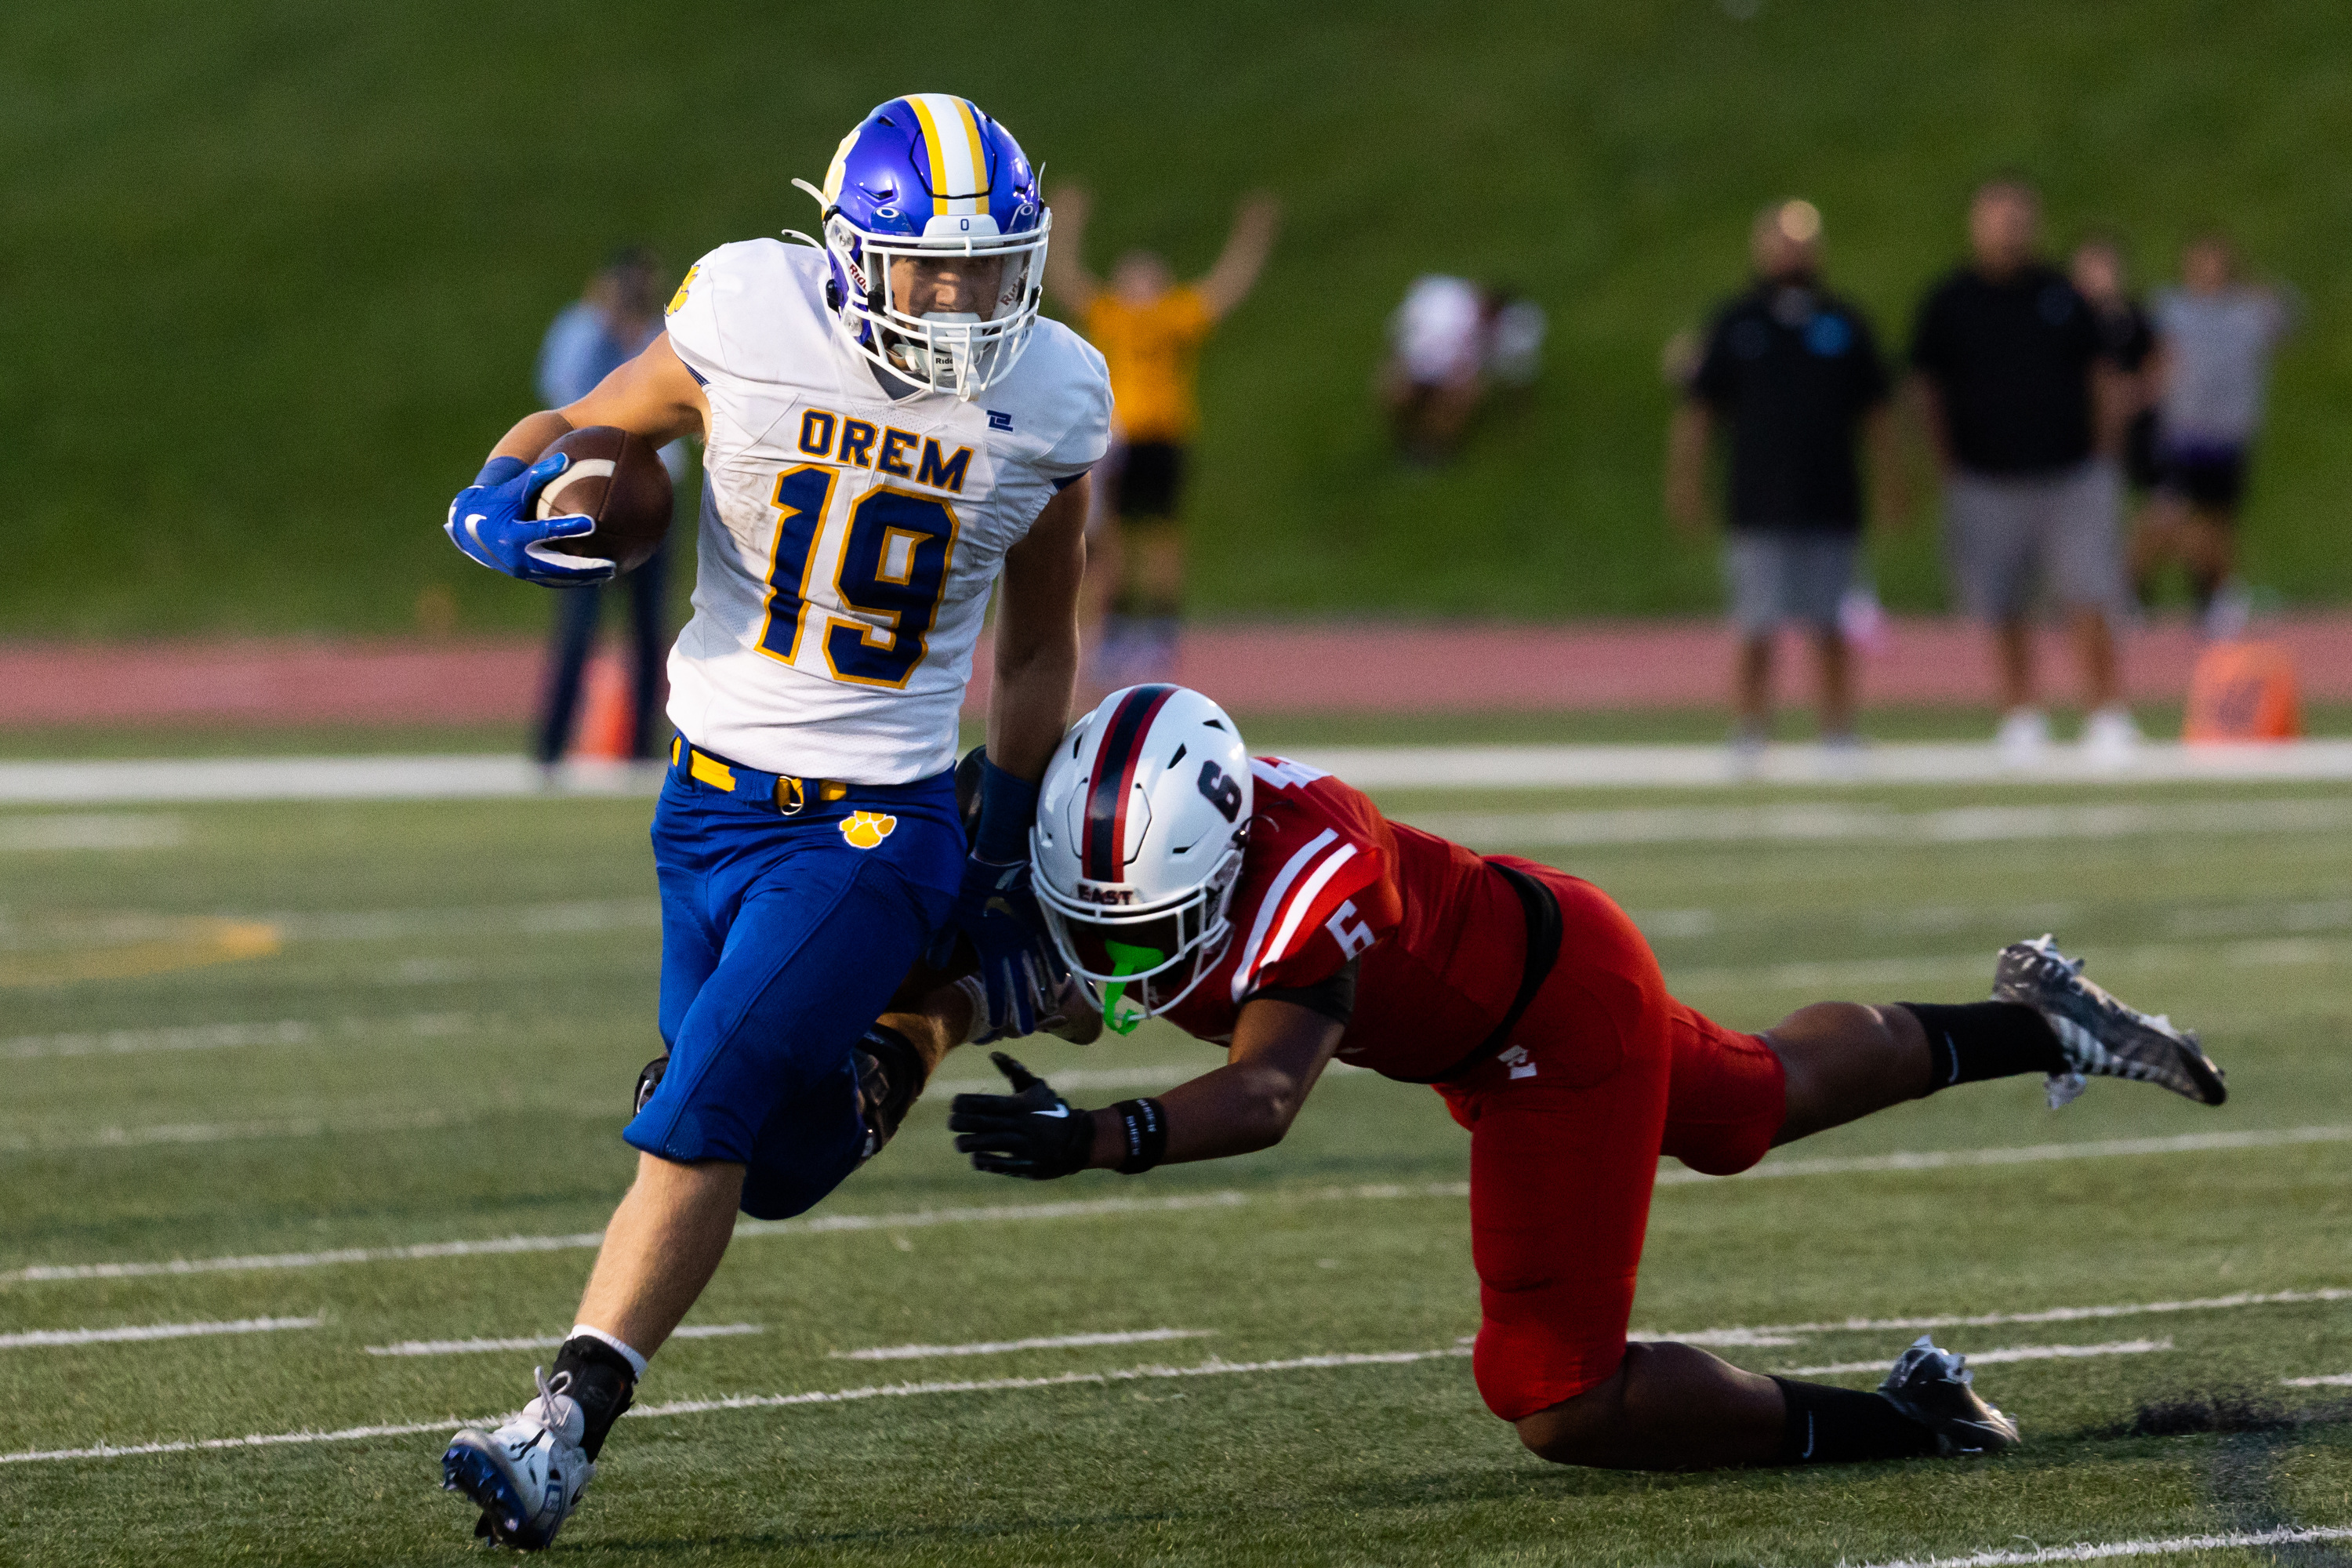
1918	763
1815	822
224	1037
107	830
2150	1546
917	1219
2027	1154
1367	767
1990	1358
2331	1380
1860	973
549	1341
30	1339
1210	1368
1001	1347
461	777
1789	1333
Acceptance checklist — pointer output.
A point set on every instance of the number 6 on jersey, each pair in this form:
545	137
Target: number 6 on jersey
888	552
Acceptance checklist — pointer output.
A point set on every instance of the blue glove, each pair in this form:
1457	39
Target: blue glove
997	911
1018	965
490	520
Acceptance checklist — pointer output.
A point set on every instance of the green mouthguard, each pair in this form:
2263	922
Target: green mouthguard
1122	1013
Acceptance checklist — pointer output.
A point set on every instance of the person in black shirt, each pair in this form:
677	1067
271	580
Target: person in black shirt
1793	375
2012	368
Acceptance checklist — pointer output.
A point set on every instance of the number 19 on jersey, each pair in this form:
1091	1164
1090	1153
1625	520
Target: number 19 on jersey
888	550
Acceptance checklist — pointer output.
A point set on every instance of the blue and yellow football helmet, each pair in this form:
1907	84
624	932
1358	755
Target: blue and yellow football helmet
930	178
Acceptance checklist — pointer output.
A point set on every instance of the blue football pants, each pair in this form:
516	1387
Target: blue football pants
783	938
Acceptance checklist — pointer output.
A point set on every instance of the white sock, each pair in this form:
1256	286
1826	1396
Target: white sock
636	1362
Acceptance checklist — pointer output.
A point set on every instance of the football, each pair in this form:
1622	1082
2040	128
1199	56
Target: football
617	478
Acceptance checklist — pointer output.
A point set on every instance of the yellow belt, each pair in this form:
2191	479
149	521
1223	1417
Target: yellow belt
789	794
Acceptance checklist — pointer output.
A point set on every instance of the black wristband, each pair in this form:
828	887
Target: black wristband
1145	1124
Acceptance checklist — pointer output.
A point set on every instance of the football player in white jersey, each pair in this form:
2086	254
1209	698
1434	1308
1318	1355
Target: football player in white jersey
890	430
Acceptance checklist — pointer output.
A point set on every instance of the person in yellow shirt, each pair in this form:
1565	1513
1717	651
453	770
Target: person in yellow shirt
1149	328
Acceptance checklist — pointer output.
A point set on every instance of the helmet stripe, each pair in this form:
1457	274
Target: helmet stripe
1113	782
933	143
959	157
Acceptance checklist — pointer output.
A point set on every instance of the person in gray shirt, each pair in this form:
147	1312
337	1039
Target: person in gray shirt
2213	340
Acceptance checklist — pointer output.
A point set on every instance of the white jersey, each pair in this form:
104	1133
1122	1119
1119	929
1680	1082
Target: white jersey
848	541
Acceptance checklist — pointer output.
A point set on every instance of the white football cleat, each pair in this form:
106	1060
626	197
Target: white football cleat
528	1475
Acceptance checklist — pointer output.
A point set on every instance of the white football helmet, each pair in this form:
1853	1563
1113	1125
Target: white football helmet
1140	822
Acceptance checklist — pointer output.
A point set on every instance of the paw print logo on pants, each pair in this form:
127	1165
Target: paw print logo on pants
865	830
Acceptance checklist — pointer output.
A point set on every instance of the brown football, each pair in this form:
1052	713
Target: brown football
618	479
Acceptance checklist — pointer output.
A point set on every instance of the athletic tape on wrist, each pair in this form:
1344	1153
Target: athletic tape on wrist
1144	1122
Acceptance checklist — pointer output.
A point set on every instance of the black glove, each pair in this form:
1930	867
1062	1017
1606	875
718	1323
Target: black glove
1031	1133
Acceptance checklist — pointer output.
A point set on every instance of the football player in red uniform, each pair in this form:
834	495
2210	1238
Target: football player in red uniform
1265	906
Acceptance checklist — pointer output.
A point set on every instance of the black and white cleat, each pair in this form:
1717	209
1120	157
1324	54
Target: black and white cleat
1935	1388
2100	1036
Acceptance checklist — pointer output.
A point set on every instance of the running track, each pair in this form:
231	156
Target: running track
1368	666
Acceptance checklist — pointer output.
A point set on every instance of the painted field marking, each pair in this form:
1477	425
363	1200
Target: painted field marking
1367	767
2331	1380
1818	823
1210	1368
1852	974
819	1224
549	1341
1990	1358
224	1037
2094	1551
133	949
1703	766
169	1132
30	1339
1790	1333
1001	1347
2027	1154
109	830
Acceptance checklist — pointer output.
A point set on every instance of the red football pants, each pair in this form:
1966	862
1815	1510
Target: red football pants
1604	1073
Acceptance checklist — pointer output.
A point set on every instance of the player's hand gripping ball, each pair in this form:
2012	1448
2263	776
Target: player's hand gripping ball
584	511
1031	1133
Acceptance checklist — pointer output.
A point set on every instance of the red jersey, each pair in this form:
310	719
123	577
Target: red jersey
1441	935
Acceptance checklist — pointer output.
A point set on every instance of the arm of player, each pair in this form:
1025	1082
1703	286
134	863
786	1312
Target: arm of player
1279	1050
1244	256
1036	671
653	395
1037	637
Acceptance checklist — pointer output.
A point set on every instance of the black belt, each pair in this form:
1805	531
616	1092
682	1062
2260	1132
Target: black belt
1543	950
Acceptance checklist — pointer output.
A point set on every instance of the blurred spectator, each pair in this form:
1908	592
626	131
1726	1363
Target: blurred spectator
2099	275
1449	342
2214	337
616	315
1149	328
1793	375
2011	369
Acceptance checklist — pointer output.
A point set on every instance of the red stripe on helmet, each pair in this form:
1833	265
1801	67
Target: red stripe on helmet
1113	781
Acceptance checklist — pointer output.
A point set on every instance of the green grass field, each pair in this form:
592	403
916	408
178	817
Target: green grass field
273	274
438	1010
